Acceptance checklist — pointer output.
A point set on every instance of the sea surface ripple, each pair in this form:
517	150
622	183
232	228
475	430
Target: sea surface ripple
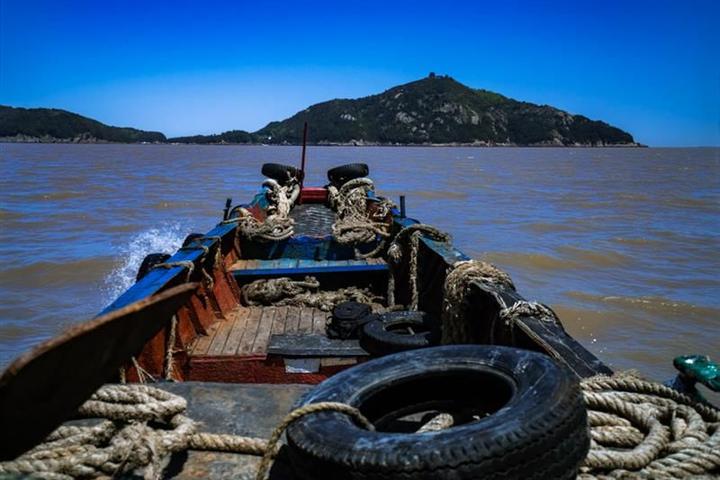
623	243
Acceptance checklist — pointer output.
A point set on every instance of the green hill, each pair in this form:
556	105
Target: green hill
440	110
233	136
52	125
434	110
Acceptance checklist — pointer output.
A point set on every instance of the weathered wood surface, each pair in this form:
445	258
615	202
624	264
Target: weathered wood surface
248	330
39	390
530	332
235	409
313	345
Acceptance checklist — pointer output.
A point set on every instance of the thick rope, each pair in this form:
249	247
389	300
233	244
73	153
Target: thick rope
277	226
354	224
124	442
641	429
521	309
143	375
455	328
196	244
183	264
303	293
170	349
410	236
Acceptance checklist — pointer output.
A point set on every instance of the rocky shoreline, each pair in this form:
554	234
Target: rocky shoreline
88	139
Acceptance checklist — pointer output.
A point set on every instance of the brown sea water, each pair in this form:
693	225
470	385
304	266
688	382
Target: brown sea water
623	243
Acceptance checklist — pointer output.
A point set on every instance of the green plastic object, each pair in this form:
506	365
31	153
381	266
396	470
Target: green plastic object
699	368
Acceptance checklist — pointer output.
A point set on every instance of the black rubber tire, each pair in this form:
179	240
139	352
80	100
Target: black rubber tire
379	337
281	173
537	429
347	320
351	311
191	238
149	262
338	176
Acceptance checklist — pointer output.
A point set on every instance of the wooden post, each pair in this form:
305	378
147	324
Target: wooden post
226	211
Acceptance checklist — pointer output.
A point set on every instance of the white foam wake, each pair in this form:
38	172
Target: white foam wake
165	239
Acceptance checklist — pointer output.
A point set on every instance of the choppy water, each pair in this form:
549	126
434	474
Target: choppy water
623	243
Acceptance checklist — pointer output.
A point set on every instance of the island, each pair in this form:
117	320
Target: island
436	110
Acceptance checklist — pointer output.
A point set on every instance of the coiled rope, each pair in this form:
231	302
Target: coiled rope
639	429
303	293
354	224
125	442
642	429
277	226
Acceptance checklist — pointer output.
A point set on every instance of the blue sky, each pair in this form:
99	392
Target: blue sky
650	67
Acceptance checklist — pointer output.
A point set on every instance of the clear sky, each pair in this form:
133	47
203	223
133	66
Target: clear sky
180	67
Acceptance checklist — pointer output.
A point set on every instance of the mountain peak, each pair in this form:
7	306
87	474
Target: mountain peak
438	109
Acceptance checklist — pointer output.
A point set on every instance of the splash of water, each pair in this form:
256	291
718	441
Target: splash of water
165	239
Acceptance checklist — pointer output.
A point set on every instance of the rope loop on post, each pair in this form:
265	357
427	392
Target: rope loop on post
455	327
410	236
182	264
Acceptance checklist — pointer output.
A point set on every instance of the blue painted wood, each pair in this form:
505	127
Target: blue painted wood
305	267
287	262
302	247
448	252
159	278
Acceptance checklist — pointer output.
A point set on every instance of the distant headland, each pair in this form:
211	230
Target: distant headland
436	110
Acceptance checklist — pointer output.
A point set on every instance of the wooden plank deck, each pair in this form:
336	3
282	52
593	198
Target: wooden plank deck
247	331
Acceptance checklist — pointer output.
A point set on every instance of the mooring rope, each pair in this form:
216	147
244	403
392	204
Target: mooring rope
455	328
520	309
277	225
125	441
642	429
354	224
639	429
303	293
170	349
410	235
181	264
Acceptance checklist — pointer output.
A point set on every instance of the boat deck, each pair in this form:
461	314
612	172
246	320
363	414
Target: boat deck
312	220
270	345
247	331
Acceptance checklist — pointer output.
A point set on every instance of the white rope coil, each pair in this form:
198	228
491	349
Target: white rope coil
304	293
124	443
354	223
641	429
277	225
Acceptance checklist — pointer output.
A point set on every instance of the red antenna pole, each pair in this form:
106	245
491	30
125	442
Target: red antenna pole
302	160
302	163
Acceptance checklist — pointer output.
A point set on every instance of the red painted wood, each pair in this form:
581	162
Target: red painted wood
313	195
252	369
